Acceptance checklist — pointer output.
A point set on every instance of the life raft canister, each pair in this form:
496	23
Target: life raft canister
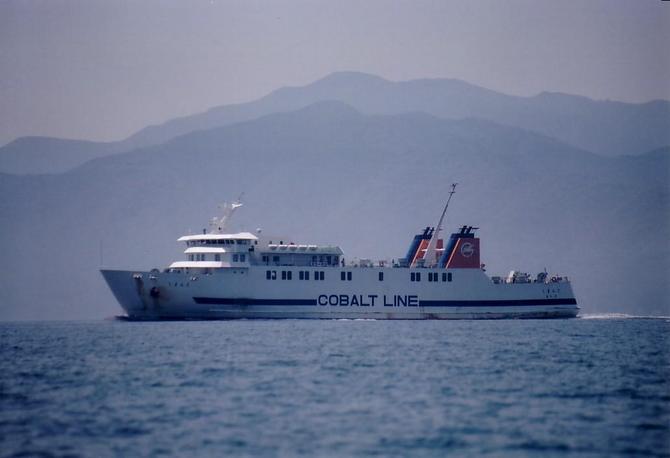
154	292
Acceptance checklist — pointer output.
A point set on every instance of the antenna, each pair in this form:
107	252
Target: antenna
218	225
430	249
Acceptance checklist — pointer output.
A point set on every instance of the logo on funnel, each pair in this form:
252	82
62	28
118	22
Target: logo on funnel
467	249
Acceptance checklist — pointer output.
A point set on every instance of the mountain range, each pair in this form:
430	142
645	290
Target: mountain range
603	127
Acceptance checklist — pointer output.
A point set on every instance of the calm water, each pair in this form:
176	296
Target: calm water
588	387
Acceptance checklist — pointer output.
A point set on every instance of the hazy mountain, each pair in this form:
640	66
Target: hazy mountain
604	127
330	174
37	155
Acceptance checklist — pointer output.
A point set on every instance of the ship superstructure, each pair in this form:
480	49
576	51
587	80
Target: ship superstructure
249	275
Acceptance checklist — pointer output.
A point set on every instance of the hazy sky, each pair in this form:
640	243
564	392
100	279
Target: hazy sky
101	70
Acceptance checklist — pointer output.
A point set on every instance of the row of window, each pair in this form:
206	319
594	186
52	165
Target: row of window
348	276
432	276
318	275
217	257
288	275
320	260
217	242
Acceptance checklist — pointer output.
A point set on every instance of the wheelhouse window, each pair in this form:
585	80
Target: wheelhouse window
217	257
242	257
236	258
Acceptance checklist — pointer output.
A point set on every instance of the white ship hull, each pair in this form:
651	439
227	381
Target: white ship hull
239	293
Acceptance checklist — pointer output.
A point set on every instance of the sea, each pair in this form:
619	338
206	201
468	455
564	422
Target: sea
596	386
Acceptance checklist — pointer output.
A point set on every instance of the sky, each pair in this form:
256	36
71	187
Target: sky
101	70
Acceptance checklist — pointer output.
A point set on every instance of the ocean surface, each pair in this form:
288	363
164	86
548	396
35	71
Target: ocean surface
582	387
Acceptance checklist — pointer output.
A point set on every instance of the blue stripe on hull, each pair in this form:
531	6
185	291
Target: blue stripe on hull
498	303
247	301
423	303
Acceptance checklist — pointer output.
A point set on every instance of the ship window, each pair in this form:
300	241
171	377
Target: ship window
301	275
349	276
444	276
343	276
190	257
307	275
274	274
449	276
268	275
235	258
381	276
217	257
418	276
275	259
328	258
289	275
242	257
322	276
283	275
412	276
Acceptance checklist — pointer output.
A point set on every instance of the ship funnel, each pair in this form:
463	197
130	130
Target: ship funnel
462	251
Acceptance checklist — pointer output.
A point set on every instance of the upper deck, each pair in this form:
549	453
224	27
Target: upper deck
243	249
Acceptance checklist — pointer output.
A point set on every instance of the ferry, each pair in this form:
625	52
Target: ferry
246	275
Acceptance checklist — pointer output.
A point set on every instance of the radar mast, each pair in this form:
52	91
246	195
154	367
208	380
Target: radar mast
429	256
218	225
